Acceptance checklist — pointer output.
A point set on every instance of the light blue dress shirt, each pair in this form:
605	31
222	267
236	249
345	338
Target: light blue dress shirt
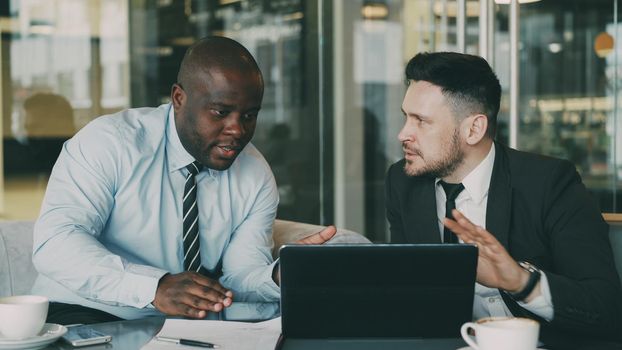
111	220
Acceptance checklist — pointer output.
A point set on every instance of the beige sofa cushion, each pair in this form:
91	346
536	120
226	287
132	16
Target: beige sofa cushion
290	231
17	273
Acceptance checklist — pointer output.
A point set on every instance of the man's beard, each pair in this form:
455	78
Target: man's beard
441	167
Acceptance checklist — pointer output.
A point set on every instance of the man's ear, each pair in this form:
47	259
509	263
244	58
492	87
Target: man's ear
178	96
476	125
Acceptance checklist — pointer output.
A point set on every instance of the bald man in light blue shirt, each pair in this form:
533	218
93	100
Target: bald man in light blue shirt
109	236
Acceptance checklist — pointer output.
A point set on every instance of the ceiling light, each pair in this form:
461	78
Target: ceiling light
41	27
375	11
293	16
507	2
183	41
555	47
603	44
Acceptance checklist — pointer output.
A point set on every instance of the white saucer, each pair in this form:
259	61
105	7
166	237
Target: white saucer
49	334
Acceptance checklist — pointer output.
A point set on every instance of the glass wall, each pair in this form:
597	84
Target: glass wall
372	43
64	62
368	86
568	86
334	85
282	36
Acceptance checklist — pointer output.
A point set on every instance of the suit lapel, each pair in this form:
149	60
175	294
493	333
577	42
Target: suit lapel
498	210
423	211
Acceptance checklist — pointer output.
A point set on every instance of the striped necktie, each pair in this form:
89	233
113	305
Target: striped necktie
192	259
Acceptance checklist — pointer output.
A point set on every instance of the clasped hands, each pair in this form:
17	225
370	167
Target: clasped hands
495	267
193	295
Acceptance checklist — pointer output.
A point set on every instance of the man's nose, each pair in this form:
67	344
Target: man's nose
405	134
234	125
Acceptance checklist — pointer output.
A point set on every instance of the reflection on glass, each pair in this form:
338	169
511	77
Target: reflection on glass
567	87
329	145
47	122
251	312
282	37
369	59
64	63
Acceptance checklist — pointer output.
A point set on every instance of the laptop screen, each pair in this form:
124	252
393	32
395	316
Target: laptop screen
376	290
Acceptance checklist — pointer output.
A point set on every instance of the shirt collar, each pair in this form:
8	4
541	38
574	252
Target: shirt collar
477	182
176	155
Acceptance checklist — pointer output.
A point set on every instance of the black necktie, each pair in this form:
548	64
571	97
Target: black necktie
451	191
192	259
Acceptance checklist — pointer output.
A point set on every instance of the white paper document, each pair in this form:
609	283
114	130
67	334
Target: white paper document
224	334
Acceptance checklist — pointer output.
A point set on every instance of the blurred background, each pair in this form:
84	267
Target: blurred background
334	85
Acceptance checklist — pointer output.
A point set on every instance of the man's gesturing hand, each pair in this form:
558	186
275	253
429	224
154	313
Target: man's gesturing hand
190	294
495	267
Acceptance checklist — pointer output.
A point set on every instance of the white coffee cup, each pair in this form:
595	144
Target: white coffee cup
22	316
508	333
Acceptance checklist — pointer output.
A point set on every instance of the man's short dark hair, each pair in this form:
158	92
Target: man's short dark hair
467	81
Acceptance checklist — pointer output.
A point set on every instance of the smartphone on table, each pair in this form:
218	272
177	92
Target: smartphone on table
85	335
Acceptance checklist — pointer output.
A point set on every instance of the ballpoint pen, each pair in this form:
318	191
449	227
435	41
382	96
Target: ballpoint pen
188	342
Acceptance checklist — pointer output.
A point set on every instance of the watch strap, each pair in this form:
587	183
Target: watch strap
534	277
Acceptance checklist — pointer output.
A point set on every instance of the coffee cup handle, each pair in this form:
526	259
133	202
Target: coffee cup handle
465	335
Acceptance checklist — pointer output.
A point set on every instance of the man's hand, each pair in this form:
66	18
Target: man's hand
320	237
317	238
190	294
495	267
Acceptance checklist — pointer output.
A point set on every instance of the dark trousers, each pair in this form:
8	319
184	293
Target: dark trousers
65	314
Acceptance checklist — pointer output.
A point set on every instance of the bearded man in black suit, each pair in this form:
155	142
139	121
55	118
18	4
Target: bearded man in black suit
544	251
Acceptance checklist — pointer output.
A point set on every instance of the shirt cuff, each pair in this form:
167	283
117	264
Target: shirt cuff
268	289
541	305
139	285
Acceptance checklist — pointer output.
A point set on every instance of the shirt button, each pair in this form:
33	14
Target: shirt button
491	300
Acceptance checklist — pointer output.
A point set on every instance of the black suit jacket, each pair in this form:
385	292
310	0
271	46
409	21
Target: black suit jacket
541	212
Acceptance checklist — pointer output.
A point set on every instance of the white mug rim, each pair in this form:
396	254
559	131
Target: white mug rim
488	321
16	300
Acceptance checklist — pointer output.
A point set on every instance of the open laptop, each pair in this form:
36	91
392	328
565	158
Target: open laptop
375	296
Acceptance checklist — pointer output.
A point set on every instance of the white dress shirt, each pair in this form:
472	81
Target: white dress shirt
472	202
111	222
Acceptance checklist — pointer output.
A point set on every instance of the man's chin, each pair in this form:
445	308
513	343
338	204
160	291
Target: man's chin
411	169
219	164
